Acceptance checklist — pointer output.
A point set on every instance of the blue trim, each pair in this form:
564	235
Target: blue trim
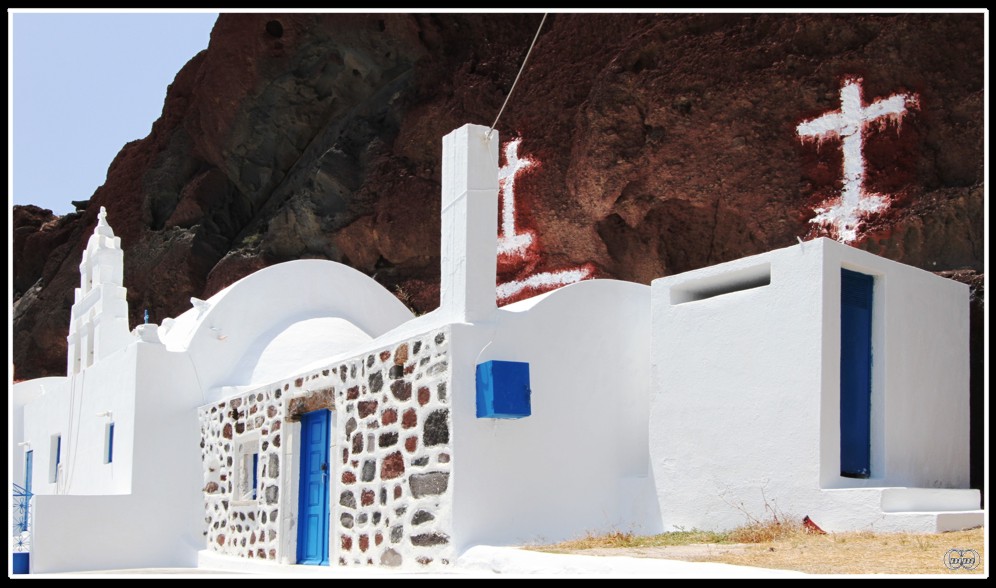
110	442
255	474
22	563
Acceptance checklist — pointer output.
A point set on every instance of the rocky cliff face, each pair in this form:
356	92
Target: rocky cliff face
653	144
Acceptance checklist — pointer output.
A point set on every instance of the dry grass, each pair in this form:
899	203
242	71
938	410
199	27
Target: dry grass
788	546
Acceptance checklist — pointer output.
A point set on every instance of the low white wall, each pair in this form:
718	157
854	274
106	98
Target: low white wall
167	452
579	462
151	519
736	390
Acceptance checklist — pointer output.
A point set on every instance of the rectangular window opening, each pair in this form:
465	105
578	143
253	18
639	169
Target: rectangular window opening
109	443
29	458
55	458
722	284
247	469
255	474
856	304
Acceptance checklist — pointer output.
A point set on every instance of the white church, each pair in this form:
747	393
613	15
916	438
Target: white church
303	416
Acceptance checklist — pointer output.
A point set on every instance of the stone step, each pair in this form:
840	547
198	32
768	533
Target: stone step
929	499
930	522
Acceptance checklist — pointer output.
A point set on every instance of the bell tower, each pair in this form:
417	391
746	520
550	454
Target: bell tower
98	324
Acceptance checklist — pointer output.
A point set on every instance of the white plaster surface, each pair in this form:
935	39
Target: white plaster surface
142	509
469	215
579	463
98	324
22	394
298	345
745	396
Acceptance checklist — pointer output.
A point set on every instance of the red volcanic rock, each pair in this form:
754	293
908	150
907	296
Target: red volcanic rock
661	143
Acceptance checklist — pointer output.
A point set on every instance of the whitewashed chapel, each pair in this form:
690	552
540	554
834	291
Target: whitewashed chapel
304	416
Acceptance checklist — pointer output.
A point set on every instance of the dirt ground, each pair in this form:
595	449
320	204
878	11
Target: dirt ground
844	553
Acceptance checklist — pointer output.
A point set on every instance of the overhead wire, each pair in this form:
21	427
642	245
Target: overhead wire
518	75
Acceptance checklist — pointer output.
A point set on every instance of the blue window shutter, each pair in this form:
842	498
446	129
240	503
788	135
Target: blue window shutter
856	303
503	390
255	473
110	443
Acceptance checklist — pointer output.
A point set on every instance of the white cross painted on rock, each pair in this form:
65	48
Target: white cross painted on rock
509	241
843	216
514	244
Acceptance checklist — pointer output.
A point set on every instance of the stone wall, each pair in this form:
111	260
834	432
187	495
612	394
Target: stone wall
393	501
236	526
390	487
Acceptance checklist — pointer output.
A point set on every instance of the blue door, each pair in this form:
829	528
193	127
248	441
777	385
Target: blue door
313	499
855	373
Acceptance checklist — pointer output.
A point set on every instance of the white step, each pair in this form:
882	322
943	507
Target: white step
930	522
929	499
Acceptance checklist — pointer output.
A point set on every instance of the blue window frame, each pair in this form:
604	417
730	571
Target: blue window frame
255	474
109	444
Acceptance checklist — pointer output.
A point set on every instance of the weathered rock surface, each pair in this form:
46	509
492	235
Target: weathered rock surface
663	143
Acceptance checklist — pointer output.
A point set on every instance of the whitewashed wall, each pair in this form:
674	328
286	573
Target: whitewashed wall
745	401
144	508
579	462
71	411
920	338
22	394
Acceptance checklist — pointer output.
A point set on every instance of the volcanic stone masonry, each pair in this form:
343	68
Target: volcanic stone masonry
390	458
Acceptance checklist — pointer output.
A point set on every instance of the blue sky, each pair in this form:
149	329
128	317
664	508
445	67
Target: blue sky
82	85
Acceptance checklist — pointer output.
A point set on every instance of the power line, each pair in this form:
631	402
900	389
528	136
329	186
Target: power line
517	75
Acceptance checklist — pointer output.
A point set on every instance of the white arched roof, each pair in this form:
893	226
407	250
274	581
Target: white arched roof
260	318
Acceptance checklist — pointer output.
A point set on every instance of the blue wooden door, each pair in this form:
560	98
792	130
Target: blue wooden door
855	373
313	499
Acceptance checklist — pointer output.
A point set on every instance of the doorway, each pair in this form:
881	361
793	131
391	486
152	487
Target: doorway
313	497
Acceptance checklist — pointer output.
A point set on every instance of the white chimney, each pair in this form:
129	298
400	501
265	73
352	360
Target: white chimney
469	245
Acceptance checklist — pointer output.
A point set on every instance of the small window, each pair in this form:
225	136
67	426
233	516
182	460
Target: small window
109	443
247	469
55	459
29	459
722	284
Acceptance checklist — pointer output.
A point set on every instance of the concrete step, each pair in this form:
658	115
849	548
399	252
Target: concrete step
929	500
930	522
